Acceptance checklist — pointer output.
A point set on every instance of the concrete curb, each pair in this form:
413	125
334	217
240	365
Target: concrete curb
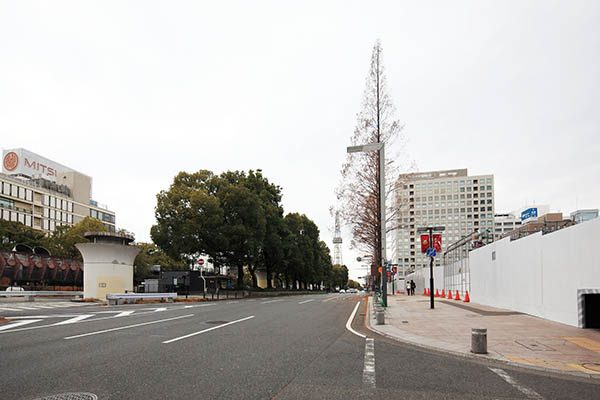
474	356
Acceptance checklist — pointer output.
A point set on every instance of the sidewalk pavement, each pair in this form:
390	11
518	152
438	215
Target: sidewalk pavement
512	337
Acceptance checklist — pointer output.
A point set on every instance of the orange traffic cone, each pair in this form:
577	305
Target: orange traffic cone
450	294
437	293
427	292
457	296
424	292
443	294
467	299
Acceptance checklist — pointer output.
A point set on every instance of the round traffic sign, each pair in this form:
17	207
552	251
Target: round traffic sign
201	262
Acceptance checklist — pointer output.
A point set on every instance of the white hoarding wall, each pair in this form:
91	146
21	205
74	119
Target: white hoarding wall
539	274
421	278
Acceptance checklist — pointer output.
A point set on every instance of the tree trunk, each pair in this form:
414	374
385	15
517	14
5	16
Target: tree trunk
240	278
269	285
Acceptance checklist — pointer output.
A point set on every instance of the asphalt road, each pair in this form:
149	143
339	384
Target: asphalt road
293	347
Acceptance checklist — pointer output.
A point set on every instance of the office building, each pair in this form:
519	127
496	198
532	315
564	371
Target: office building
461	203
580	216
44	194
546	223
508	222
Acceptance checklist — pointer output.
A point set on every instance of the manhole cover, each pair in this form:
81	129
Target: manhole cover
216	322
592	366
71	396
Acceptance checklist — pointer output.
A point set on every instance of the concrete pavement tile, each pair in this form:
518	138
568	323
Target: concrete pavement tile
531	340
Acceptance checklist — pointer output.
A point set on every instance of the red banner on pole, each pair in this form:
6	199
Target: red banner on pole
424	243
437	242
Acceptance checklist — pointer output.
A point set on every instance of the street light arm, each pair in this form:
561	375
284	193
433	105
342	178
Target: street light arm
364	147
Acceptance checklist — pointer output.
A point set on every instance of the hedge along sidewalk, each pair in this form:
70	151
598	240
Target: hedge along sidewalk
512	337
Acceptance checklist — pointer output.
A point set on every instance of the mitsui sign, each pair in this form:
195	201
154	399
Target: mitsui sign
21	161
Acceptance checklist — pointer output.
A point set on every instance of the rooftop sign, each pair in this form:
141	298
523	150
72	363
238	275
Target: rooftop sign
24	162
529	213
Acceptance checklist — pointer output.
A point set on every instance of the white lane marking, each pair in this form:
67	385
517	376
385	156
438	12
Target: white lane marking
61	305
271	301
160	309
127	327
349	322
89	320
9	309
231	302
369	366
188	306
42	316
207	330
531	394
306	301
25	308
20	323
75	319
124	313
119	313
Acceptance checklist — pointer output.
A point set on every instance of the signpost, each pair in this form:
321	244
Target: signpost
201	263
434	244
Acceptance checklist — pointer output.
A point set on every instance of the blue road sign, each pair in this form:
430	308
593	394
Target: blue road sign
431	252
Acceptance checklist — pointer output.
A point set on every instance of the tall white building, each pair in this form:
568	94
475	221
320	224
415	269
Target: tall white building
461	203
44	194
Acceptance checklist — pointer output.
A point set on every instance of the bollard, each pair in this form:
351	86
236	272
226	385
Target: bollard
380	315
479	340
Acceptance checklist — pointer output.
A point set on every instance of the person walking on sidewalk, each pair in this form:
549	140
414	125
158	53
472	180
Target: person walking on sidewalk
413	286
408	288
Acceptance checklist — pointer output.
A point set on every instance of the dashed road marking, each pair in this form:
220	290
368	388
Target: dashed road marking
271	301
369	364
74	319
530	393
207	330
306	301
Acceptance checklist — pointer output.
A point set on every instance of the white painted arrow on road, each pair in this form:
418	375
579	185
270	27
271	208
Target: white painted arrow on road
20	323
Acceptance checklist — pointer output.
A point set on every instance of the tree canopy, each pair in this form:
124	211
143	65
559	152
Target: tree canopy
236	218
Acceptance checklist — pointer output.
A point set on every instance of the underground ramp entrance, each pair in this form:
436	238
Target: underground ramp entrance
591	310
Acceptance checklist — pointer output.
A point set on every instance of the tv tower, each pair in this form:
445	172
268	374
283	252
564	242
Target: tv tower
337	241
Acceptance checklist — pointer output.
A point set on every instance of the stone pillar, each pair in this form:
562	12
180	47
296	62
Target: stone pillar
107	264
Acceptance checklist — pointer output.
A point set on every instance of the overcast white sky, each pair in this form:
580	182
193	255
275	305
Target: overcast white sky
133	92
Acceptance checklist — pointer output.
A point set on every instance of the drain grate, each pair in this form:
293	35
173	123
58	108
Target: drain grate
71	396
216	322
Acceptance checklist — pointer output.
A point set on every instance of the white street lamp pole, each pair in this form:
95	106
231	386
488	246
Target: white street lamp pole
380	147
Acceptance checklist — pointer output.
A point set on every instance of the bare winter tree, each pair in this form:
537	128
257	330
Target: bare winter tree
358	192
